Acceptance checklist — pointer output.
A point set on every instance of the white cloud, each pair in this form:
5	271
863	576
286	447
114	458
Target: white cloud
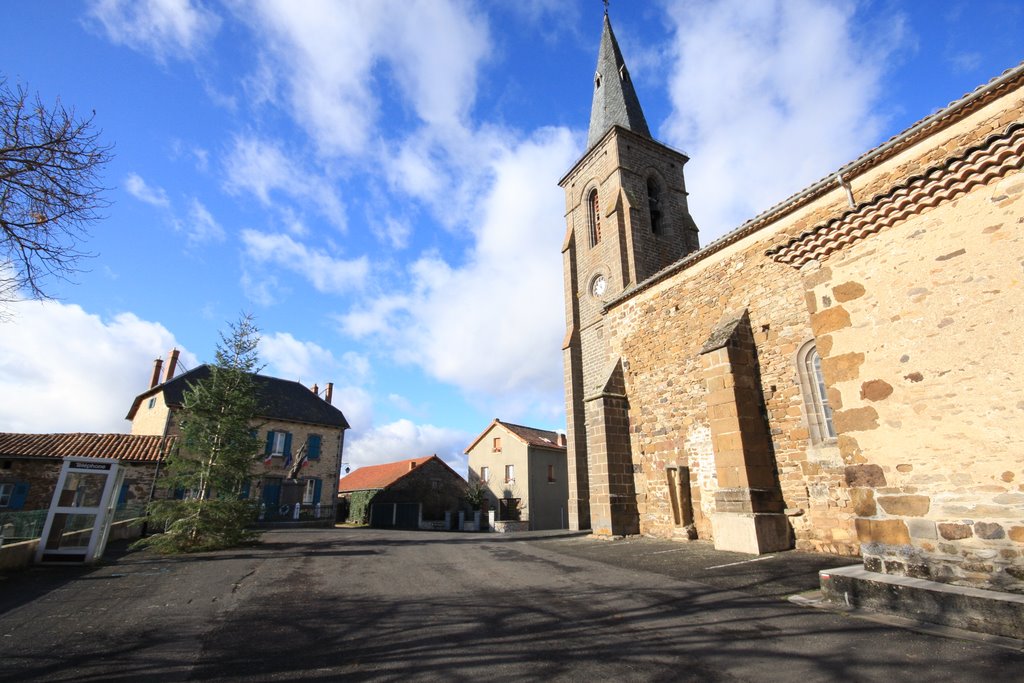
164	28
65	370
326	273
262	168
331	56
492	325
154	196
404	439
306	361
200	227
768	97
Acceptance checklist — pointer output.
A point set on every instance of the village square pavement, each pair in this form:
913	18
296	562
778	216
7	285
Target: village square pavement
361	604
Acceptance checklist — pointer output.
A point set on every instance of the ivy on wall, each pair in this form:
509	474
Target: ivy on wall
359	506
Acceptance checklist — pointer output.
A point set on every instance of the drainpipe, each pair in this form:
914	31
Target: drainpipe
849	190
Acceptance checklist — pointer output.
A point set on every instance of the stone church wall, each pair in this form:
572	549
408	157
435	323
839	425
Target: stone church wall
919	331
659	333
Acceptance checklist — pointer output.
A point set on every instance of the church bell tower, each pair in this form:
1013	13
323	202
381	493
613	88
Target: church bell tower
627	218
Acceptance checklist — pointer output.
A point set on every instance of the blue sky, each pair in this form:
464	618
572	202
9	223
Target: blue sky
376	180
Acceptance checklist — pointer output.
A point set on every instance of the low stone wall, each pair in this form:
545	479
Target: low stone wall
20	555
510	527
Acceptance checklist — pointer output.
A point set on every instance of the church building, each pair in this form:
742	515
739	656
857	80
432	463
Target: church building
841	373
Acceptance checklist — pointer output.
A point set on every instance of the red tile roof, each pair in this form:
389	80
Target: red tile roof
380	476
126	447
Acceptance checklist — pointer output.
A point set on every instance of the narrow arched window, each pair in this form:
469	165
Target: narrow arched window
812	384
595	218
654	204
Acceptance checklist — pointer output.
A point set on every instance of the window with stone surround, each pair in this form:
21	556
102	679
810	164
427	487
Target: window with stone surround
812	385
510	474
594	216
485	474
496	445
6	490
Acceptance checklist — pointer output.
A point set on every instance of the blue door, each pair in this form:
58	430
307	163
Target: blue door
271	494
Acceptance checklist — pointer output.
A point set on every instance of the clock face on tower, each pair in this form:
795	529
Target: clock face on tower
598	286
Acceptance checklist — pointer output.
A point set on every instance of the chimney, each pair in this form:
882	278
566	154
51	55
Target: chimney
412	465
172	365
561	440
315	389
155	379
330	392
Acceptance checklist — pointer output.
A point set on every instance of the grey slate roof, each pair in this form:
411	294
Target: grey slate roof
615	100
279	399
535	437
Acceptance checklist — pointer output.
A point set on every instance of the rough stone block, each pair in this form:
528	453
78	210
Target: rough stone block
863	501
875	390
905	506
865	476
954	531
989	530
856	419
884	531
922	528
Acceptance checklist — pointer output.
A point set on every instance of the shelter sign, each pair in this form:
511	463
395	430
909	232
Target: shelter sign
81	512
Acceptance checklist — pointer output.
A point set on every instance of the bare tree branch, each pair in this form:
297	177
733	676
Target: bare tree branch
49	191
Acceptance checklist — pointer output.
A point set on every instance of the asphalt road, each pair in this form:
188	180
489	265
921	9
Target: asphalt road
360	604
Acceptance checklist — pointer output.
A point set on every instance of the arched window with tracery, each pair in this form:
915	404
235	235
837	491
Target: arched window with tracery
812	385
595	218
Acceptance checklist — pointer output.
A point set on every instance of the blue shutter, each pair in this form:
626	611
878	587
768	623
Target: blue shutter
18	496
270	444
287	444
317	486
122	496
313	447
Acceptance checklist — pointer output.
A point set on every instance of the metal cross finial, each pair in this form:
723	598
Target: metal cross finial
606	7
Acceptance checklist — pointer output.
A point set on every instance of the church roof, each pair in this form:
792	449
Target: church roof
615	100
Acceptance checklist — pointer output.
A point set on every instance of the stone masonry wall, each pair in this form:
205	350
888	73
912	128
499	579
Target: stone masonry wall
41	475
659	334
919	331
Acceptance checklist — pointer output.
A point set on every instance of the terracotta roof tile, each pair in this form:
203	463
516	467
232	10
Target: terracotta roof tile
126	447
380	476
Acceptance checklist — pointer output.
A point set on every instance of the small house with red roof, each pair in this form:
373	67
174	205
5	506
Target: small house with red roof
524	473
409	494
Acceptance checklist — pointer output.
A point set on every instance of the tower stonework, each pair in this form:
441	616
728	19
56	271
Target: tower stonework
626	219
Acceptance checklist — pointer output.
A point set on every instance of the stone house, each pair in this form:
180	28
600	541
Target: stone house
524	473
304	437
840	373
31	463
417	493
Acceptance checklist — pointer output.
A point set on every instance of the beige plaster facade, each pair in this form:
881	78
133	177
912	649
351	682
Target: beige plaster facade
539	473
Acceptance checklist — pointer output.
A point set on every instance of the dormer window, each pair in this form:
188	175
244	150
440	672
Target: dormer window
623	74
597	80
151	404
594	215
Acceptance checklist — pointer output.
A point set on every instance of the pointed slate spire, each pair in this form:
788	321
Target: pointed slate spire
615	101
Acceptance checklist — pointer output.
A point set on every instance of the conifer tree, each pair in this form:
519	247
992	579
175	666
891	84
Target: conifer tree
215	452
